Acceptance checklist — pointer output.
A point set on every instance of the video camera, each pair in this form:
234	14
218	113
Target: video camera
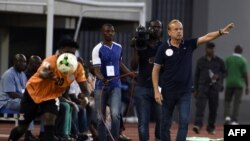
140	39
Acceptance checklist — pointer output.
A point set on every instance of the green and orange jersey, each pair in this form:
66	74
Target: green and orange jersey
46	89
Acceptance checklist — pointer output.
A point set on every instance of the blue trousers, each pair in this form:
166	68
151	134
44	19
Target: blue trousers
103	98
183	101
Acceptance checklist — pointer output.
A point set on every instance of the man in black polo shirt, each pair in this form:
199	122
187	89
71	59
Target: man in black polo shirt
175	58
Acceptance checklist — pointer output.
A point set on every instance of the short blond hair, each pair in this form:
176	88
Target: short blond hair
172	22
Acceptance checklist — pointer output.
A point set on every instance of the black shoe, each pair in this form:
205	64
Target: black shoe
196	129
123	137
211	131
82	137
227	123
65	138
56	138
94	132
30	137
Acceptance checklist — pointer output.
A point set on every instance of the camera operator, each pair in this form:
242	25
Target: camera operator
143	59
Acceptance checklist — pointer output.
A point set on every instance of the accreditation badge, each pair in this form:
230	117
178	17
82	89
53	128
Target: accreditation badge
110	70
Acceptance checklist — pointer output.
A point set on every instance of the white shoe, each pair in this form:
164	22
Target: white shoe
130	119
234	123
227	121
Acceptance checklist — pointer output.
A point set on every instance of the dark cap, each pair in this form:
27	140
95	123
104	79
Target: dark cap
210	45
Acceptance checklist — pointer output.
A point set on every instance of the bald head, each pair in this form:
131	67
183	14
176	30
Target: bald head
34	62
19	62
19	57
35	59
238	49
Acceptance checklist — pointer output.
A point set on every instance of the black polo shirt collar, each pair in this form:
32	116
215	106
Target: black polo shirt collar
170	45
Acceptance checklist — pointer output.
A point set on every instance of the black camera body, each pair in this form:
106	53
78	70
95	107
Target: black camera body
140	39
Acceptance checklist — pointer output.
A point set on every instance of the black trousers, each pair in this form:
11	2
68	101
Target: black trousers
206	94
